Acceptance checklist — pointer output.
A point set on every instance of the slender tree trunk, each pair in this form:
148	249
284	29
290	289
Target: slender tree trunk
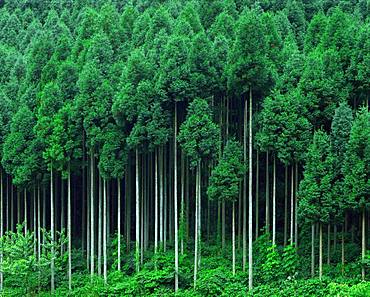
274	203
25	211
69	223
296	206
250	209
363	242
105	230
335	238
257	193
267	215
1	225
161	199
83	223
165	202
175	204
43	211
223	224
312	250
19	220
12	208
52	230
156	202
100	223
285	205
119	222
196	243
292	206
182	226
92	215
88	210
137	213
128	207
62	212
320	252
233	227
240	213
245	187
328	260
35	238
38	223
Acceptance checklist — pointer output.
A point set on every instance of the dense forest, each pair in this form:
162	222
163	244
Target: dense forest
184	148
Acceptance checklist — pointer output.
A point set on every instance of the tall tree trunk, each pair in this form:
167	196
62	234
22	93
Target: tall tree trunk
175	203
182	220
156	202
83	223
233	227
128	207
312	249
12	208
137	213
161	199
1	225
296	206
250	209
38	223
257	193
52	230
25	211
335	238
92	215
105	230
35	238
363	242
328	249
320	252
100	223
285	205
69	224
19	220
274	203
223	224
196	243
245	187
292	206
267	194
119	222
62	212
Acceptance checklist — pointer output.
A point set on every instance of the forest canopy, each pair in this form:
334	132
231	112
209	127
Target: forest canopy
184	148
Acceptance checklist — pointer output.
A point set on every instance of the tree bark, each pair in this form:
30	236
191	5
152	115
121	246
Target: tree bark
223	225
233	227
285	205
182	226
274	203
320	252
105	230
196	243
1	225
119	223
25	211
267	209
175	204
245	187
156	202
312	250
100	223
69	223
296	207
137	213
92	215
250	209
292	206
363	242
328	249
52	263
257	193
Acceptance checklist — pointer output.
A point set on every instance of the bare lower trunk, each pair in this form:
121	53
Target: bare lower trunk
92	216
257	194
274	203
320	252
285	205
245	189
175	206
119	223
137	214
156	202
52	263
105	230
69	225
267	209
363	242
100	224
250	207
292	207
312	250
196	243
328	260
233	227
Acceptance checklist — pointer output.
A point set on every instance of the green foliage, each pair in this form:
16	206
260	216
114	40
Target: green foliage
199	135
228	173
